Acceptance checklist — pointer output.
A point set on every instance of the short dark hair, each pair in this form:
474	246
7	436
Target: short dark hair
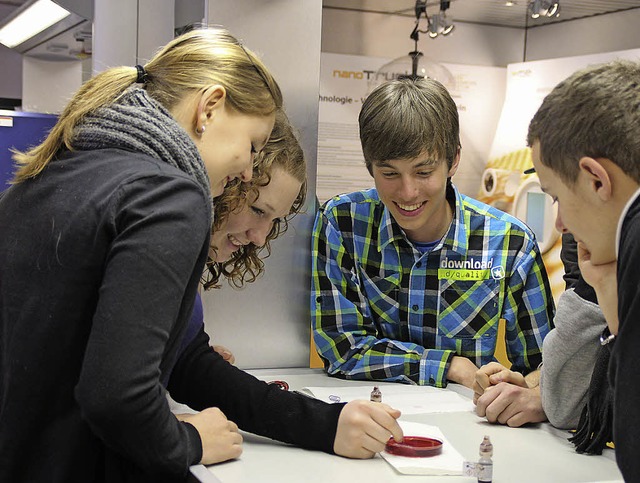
596	113
403	118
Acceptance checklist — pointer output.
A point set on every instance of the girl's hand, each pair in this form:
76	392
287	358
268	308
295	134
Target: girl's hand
364	427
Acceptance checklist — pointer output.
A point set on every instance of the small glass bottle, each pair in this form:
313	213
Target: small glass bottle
485	465
376	395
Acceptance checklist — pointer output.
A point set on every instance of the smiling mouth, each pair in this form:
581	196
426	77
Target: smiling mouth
411	208
235	242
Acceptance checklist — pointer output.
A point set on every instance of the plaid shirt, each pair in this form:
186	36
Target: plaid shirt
383	310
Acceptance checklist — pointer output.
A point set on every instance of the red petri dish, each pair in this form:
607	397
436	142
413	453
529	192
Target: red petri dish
414	447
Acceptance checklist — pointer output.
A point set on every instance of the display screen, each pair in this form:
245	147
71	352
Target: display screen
536	207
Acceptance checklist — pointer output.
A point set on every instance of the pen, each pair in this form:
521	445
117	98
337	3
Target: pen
332	398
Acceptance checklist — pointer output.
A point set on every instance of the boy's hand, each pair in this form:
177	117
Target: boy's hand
492	374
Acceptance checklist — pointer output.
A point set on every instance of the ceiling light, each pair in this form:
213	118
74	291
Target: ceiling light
29	20
438	25
415	65
545	8
434	24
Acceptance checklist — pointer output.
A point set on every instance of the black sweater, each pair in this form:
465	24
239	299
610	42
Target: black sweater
100	258
202	378
624	368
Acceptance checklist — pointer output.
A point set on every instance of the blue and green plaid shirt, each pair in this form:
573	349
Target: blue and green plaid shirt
382	310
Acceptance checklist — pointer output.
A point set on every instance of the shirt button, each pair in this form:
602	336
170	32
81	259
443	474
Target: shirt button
318	299
419	264
432	380
415	308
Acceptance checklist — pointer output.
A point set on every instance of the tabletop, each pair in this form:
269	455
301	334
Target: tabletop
535	453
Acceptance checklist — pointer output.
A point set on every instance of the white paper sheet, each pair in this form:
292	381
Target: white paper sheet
408	399
449	462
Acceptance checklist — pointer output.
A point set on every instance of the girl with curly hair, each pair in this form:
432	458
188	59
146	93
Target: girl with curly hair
246	220
248	217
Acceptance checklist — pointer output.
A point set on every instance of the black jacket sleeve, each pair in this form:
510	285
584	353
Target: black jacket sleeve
625	363
572	276
146	295
201	378
569	258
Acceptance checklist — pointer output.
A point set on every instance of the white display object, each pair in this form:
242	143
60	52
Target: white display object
527	85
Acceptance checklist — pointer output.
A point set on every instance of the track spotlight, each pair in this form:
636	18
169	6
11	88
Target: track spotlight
415	65
439	25
434	24
545	8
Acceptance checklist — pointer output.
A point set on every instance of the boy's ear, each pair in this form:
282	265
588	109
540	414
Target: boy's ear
454	165
597	177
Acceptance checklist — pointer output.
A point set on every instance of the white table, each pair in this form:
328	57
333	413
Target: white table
538	453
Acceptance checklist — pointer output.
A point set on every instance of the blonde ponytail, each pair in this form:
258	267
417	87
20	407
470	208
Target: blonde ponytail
187	64
99	91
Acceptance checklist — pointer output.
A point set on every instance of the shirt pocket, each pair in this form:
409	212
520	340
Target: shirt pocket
469	309
382	300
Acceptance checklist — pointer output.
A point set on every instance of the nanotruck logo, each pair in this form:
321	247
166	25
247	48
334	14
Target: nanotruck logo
368	75
348	74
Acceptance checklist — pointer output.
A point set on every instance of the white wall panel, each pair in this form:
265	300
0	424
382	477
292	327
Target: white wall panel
267	324
48	86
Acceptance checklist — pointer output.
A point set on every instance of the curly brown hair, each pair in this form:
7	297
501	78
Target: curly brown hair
283	151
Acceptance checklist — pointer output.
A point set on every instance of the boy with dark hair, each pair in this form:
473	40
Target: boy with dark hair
586	150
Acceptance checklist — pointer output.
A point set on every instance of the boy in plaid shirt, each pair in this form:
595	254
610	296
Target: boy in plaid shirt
411	278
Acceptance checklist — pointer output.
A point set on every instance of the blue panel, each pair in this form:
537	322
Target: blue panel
28	130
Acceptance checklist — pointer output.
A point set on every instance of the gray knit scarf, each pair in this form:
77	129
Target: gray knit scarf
137	122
